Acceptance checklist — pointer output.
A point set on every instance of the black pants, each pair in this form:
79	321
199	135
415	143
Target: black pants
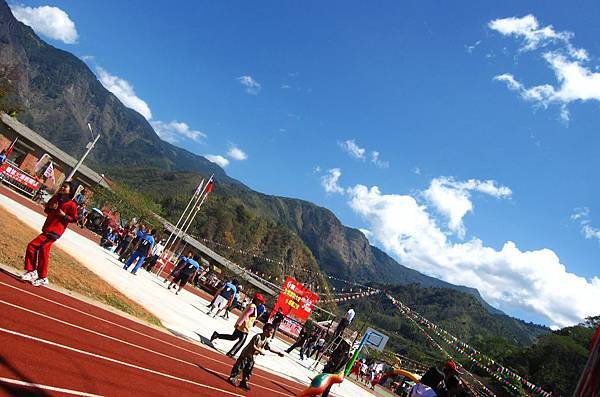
149	265
237	334
341	326
244	364
296	344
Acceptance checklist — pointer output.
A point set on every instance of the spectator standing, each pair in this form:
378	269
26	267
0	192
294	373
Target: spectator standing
277	320
127	241
82	214
144	248
2	156
308	345
109	240
138	234
157	251
318	348
345	321
81	198
61	210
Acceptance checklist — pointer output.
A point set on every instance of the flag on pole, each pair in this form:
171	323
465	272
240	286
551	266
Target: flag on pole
11	147
209	187
49	173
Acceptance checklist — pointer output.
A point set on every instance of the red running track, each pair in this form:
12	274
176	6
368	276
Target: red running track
52	344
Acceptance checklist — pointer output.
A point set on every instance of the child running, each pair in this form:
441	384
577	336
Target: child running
259	344
61	210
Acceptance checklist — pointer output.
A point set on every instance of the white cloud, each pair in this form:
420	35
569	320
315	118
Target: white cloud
577	83
330	180
575	80
582	216
350	147
377	161
534	36
217	159
173	132
124	91
355	151
253	87
416	171
452	198
534	281
470	48
51	22
236	153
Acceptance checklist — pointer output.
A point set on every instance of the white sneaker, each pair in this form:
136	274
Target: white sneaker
40	282
29	276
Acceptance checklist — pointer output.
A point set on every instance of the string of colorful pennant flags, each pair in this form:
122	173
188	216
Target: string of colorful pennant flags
505	376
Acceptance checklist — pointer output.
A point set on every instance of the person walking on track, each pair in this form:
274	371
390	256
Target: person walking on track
61	210
242	326
259	344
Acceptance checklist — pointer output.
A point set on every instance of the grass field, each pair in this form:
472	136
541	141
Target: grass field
64	270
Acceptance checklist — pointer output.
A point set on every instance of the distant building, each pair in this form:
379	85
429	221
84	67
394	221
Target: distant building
33	154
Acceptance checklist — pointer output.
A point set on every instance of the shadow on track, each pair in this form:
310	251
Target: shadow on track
16	390
12	275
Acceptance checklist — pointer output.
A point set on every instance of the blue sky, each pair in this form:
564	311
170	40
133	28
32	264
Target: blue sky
486	133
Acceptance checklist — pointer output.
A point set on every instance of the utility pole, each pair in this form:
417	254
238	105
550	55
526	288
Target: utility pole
89	147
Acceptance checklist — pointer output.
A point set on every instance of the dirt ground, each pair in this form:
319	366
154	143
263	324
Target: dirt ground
64	270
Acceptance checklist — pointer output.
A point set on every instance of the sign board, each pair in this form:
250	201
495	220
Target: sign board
18	178
376	339
296	303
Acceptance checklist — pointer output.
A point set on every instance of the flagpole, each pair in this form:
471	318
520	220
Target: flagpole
90	146
165	256
188	221
174	244
196	192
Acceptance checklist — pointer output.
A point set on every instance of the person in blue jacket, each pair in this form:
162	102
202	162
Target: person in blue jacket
142	251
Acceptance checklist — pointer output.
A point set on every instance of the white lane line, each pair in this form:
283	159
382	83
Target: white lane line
46	387
112	360
128	343
135	331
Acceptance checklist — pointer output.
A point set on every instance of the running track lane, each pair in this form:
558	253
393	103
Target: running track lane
69	347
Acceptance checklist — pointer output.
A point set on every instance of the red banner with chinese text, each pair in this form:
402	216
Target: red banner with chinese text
296	303
18	176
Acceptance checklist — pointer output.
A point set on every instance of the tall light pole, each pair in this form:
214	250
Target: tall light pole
89	147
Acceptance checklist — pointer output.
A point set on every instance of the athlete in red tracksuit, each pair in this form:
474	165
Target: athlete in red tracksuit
61	210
